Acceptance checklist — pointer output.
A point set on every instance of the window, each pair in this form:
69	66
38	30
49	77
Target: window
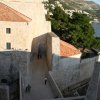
3	80
8	45
8	30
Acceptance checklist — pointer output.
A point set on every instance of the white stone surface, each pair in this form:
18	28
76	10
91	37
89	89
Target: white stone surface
69	61
23	33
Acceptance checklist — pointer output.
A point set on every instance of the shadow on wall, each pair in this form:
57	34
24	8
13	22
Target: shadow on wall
42	49
11	64
44	46
39	47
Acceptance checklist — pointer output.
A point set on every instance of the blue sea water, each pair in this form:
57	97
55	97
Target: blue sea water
97	29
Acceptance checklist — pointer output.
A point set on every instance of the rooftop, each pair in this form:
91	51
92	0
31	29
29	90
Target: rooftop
67	49
9	14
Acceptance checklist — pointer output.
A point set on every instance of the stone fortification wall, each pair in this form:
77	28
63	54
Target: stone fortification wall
53	50
4	92
13	65
68	75
87	67
11	62
90	59
49	51
69	61
70	70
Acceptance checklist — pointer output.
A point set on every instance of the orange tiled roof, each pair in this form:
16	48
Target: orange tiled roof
9	14
67	49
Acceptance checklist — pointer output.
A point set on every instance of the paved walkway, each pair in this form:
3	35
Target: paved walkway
39	91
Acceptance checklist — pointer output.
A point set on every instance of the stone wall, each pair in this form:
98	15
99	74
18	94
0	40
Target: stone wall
99	58
53	50
38	25
49	51
54	86
11	62
66	76
69	61
55	53
87	67
4	92
17	37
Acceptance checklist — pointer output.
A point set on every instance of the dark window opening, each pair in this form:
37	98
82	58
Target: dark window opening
3	80
8	45
8	30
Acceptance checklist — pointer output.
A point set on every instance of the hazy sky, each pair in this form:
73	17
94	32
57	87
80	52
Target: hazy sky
97	1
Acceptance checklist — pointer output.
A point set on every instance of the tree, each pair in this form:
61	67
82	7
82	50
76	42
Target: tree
59	22
83	31
76	30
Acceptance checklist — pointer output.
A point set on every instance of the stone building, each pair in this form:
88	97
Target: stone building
21	23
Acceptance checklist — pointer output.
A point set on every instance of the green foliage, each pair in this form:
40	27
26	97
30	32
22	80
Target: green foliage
76	29
63	17
96	43
78	18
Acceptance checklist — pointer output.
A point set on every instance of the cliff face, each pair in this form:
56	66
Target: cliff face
82	4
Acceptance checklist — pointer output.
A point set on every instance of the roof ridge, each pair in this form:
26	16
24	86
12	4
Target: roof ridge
69	45
66	49
20	15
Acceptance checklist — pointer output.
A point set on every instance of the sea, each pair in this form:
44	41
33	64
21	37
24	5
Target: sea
96	29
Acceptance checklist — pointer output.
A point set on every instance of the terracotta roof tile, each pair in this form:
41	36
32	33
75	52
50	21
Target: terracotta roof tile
9	14
67	49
